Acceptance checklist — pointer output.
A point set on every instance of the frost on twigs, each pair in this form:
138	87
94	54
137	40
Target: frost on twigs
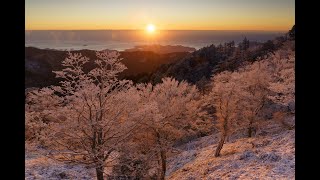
178	107
240	97
94	112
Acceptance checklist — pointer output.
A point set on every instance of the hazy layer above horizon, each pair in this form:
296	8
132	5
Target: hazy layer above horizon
124	39
140	35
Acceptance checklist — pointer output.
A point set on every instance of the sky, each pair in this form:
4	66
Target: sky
164	14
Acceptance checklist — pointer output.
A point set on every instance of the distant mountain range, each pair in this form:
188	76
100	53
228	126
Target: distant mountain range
160	49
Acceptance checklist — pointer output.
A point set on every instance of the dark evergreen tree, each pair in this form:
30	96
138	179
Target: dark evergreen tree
292	33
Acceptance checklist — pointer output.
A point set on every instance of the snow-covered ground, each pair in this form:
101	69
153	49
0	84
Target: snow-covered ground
40	167
271	156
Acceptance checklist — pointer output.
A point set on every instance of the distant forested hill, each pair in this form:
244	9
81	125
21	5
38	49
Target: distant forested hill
39	63
199	66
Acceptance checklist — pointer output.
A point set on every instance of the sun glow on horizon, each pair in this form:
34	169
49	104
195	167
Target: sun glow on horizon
150	28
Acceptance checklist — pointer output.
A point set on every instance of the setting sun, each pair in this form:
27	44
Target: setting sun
151	28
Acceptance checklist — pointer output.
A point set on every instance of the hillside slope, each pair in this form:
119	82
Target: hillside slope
39	63
203	63
270	155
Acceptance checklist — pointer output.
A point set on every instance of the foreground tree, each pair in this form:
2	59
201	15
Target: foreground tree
178	106
95	112
224	98
253	91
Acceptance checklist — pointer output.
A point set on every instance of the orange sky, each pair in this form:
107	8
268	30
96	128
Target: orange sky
164	14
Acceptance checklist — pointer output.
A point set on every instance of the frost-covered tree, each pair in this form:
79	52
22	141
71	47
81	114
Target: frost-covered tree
178	106
253	90
271	78
224	98
282	86
95	112
282	65
37	115
238	97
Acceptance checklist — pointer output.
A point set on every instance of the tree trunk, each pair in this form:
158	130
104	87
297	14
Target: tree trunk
250	132
163	159
99	171
250	129
219	147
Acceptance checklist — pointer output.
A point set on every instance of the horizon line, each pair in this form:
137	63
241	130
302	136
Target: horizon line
156	30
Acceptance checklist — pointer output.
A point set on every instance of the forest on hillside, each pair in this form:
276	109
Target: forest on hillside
132	127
